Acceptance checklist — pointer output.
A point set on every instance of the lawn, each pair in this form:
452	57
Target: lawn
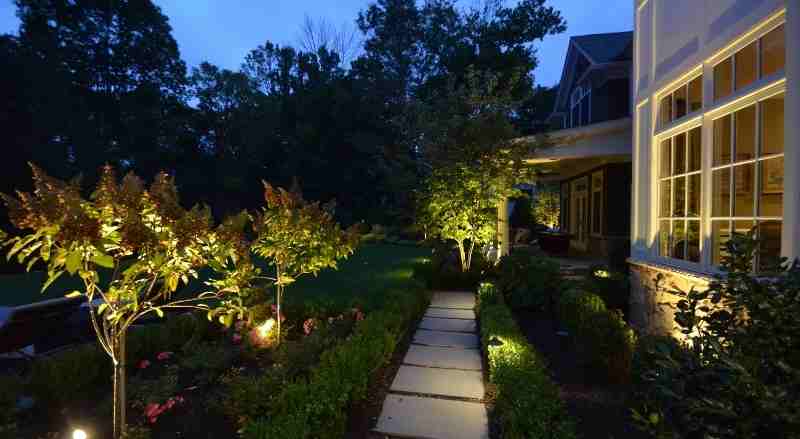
373	268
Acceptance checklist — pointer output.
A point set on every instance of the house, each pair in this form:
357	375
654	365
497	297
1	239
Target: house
589	145
716	141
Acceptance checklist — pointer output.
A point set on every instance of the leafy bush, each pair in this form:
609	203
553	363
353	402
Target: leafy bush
739	373
207	361
527	403
315	407
575	307
528	280
488	294
612	286
71	376
10	387
608	343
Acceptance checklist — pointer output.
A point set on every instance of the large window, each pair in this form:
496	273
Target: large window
684	100
680	189
747	176
580	102
597	203
760	58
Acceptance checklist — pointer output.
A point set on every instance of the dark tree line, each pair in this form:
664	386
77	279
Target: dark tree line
88	82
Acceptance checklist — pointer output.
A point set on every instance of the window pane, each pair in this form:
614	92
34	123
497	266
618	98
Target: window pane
597	211
743	182
666	109
770	200
693	241
695	149
769	233
746	66
665	198
696	94
772	125
666	157
679	208
721	192
663	239
773	51
679	239
680	102
679	164
723	80
693	194
745	121
585	111
743	227
722	141
720	234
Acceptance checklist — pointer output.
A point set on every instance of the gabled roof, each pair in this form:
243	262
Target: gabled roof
598	49
604	48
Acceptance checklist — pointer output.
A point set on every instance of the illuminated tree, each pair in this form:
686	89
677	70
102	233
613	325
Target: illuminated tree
147	244
298	238
547	207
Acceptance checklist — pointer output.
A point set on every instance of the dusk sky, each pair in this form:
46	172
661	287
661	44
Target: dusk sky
223	31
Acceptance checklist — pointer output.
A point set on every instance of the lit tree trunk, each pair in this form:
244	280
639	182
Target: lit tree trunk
469	255
278	299
462	257
119	385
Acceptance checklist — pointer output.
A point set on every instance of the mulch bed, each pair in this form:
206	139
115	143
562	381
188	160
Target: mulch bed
599	407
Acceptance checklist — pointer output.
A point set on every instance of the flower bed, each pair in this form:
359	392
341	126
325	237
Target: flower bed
315	407
527	402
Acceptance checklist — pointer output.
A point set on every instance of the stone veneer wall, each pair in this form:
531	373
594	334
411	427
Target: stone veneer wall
653	306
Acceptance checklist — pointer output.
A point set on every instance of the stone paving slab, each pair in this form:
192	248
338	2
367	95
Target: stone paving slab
446	339
442	382
453	300
448	313
452	325
411	416
448	358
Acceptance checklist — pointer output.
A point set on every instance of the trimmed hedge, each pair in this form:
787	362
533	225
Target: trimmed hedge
527	403
316	406
575	307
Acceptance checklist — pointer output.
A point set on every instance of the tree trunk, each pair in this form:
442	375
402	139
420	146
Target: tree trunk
119	386
469	255
462	257
278	299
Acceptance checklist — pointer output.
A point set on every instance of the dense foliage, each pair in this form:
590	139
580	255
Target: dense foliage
315	407
527	402
528	280
298	238
148	241
547	207
737	372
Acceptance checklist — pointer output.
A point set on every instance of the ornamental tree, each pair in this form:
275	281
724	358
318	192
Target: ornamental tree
147	244
547	207
297	238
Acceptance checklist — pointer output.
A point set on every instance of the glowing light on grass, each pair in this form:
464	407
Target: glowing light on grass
602	273
265	328
79	434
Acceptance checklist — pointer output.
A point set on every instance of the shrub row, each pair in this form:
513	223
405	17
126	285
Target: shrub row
315	407
527	404
602	334
528	280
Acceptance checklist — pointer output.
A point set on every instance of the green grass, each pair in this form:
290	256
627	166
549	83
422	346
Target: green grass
373	268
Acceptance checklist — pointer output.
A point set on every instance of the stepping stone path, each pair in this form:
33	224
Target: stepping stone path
438	390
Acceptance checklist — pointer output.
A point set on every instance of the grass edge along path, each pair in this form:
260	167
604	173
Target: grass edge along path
527	402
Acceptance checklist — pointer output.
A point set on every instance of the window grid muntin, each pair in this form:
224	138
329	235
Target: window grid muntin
672	179
673	104
756	219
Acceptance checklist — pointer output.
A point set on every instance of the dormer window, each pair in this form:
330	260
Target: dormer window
580	103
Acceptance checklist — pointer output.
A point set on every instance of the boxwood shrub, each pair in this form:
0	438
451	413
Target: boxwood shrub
527	404
576	306
316	406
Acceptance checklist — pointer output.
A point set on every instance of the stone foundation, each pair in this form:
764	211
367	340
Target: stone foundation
652	306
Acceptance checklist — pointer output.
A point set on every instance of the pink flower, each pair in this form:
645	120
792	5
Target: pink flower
164	356
309	326
237	338
357	314
239	325
144	364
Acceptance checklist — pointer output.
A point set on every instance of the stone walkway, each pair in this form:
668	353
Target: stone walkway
438	389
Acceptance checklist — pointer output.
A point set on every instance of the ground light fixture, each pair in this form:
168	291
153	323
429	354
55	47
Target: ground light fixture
264	329
79	434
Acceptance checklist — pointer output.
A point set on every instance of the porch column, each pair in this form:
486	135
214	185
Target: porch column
503	232
791	196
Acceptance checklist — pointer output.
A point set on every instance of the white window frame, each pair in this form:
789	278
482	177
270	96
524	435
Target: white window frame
759	90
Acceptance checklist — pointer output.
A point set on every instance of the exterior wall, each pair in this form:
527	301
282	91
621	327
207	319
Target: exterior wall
675	40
